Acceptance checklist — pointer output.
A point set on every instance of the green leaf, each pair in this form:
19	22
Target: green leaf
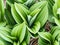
22	33
15	15
38	5
21	1
9	18
57	21
34	12
45	37
55	31
3	36
5	29
58	11
18	43
55	7
1	42
29	2
19	31
34	16
14	43
56	34
56	43
22	11
43	16
58	3
54	28
2	10
35	28
2	24
23	43
27	37
0	15
10	2
41	42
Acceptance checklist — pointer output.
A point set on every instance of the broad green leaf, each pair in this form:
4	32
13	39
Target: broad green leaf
34	12
50	10
21	11
43	16
5	34
23	43
56	34
1	42
21	1
19	31
58	38
18	43
5	29
57	21
22	33
58	3
2	24
27	36
15	15
9	18
10	2
2	10
55	7
58	11
34	16
35	28
45	36
29	18
37	5
29	2
56	43
54	28
41	42
55	31
5	37
0	16
14	43
32	20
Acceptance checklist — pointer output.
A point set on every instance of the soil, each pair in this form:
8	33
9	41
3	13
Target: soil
34	41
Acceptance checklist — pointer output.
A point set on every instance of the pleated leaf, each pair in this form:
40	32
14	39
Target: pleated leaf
57	21
19	31
15	15
43	14
2	10
22	11
45	38
35	28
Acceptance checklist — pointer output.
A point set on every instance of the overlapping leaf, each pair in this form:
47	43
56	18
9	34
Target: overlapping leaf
1	10
19	32
5	34
16	15
35	28
43	15
21	11
9	18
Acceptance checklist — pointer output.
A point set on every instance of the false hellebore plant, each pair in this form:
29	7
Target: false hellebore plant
22	19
